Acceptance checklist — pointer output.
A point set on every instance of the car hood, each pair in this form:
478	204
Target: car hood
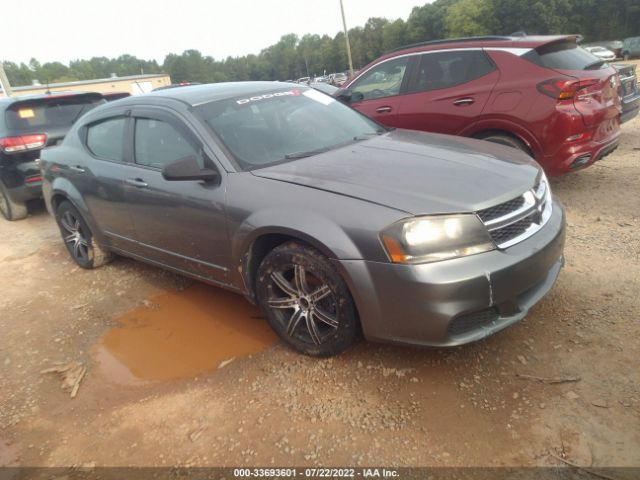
416	172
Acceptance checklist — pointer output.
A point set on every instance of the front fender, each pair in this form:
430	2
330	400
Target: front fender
308	226
320	231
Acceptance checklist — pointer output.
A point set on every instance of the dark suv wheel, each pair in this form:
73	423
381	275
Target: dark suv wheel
10	209
306	301
78	238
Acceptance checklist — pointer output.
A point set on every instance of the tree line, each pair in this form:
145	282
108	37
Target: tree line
293	57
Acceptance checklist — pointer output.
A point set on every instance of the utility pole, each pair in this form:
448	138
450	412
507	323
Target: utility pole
4	82
346	39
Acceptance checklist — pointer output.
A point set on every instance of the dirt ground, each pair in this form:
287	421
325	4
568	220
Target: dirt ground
220	390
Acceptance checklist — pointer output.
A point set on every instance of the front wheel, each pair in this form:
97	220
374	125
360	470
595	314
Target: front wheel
306	301
78	238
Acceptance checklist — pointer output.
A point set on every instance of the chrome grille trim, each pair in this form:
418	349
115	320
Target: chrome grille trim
520	223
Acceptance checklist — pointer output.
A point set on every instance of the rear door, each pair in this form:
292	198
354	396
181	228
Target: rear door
447	91
181	224
377	93
99	177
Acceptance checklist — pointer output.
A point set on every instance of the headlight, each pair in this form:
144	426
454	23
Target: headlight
544	180
435	238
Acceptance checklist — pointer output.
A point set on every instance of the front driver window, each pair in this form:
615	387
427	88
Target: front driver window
158	144
381	81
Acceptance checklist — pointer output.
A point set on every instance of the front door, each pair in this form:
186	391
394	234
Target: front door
181	224
377	93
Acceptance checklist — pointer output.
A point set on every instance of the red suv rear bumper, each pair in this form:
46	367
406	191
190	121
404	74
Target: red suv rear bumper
576	156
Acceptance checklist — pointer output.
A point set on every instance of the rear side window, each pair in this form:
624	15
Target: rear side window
158	143
105	139
447	69
48	113
563	56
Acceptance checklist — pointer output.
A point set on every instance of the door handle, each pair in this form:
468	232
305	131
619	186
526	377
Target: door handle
77	168
383	109
464	101
136	182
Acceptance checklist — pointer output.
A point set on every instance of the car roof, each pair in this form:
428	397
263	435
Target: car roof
514	41
7	101
199	94
519	41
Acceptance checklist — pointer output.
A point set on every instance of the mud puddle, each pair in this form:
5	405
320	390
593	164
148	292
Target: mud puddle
182	334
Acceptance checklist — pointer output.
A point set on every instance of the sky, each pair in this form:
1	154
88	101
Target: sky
81	29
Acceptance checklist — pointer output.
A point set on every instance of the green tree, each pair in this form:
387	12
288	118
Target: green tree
18	74
467	18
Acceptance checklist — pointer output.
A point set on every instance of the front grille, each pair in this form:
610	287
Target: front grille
517	219
492	213
471	321
514	230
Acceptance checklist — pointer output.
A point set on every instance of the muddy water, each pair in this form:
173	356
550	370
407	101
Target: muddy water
182	334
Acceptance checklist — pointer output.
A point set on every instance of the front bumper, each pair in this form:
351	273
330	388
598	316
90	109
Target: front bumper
456	301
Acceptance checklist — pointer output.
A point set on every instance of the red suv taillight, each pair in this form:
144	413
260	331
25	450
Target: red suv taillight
23	142
563	89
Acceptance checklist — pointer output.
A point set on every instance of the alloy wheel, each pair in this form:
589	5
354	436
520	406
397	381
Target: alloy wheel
74	236
307	307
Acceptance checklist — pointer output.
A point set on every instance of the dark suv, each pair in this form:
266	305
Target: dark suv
27	125
631	48
543	95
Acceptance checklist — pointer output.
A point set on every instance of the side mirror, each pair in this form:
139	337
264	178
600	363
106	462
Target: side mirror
188	168
357	97
343	95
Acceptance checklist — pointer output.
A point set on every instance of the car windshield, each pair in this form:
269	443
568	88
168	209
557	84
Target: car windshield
284	124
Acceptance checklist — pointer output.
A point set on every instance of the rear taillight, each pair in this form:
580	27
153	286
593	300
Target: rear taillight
23	142
562	89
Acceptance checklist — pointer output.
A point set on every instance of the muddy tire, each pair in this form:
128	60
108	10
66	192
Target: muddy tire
78	238
507	140
306	301
10	209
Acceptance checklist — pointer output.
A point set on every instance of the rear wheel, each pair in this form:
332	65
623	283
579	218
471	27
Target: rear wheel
78	238
10	209
507	140
306	301
626	56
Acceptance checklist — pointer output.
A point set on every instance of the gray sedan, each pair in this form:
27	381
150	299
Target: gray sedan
331	223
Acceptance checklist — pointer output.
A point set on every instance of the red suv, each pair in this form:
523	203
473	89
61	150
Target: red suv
541	94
